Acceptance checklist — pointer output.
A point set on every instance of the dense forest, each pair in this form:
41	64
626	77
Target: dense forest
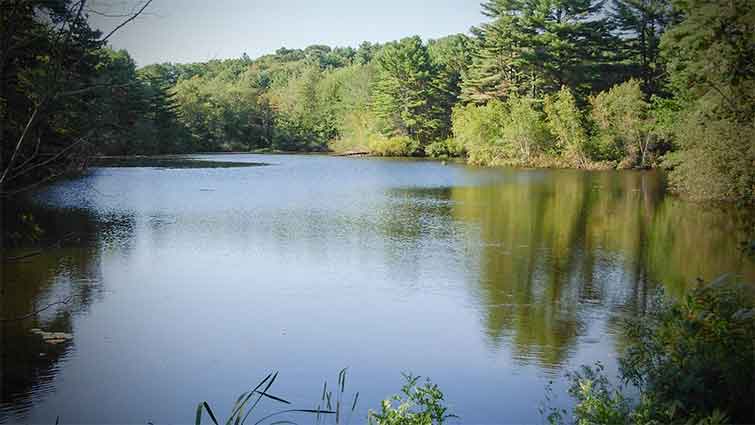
554	83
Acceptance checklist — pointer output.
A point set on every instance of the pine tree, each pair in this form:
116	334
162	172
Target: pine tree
497	69
407	98
534	47
641	24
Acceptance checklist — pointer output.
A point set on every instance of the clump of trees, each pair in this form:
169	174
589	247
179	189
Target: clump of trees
709	56
65	95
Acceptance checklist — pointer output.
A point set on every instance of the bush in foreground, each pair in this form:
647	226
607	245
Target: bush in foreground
692	362
417	405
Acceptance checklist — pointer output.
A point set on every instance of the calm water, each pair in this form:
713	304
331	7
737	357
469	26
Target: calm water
192	284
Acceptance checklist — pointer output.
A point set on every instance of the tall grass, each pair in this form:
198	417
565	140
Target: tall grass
248	401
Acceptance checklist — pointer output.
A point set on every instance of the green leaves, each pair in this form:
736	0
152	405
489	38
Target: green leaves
534	47
408	98
692	362
417	405
706	339
620	118
709	55
498	133
564	120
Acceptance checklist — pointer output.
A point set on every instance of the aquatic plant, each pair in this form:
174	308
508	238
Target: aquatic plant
332	404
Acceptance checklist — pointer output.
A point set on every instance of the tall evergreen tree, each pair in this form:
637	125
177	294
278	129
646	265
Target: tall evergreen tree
497	68
406	93
641	23
536	46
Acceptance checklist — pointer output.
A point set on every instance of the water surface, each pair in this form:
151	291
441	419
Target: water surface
191	284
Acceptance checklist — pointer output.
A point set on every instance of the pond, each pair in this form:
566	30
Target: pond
193	283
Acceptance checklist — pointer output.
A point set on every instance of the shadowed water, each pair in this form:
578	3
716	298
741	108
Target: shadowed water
191	284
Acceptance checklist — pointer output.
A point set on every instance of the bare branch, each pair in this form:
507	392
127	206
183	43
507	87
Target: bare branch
31	157
21	139
21	257
31	186
51	159
122	24
65	301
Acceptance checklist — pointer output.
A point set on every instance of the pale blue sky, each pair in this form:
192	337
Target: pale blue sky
198	30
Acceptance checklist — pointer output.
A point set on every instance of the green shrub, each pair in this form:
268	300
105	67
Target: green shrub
597	401
500	133
698	353
692	361
479	129
448	148
620	121
356	129
479	124
417	405
392	146
715	159
564	120
525	134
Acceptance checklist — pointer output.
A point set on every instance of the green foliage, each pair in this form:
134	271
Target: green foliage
392	146
138	110
535	47
525	134
221	114
349	107
407	97
709	56
448	148
479	129
357	128
417	405
642	23
716	159
698	353
710	53
452	56
502	133
49	105
564	120
305	118
620	119
533	73
597	401
692	361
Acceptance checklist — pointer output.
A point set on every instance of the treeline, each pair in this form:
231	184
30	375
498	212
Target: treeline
563	83
64	95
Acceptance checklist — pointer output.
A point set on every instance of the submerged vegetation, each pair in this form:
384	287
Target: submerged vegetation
566	83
